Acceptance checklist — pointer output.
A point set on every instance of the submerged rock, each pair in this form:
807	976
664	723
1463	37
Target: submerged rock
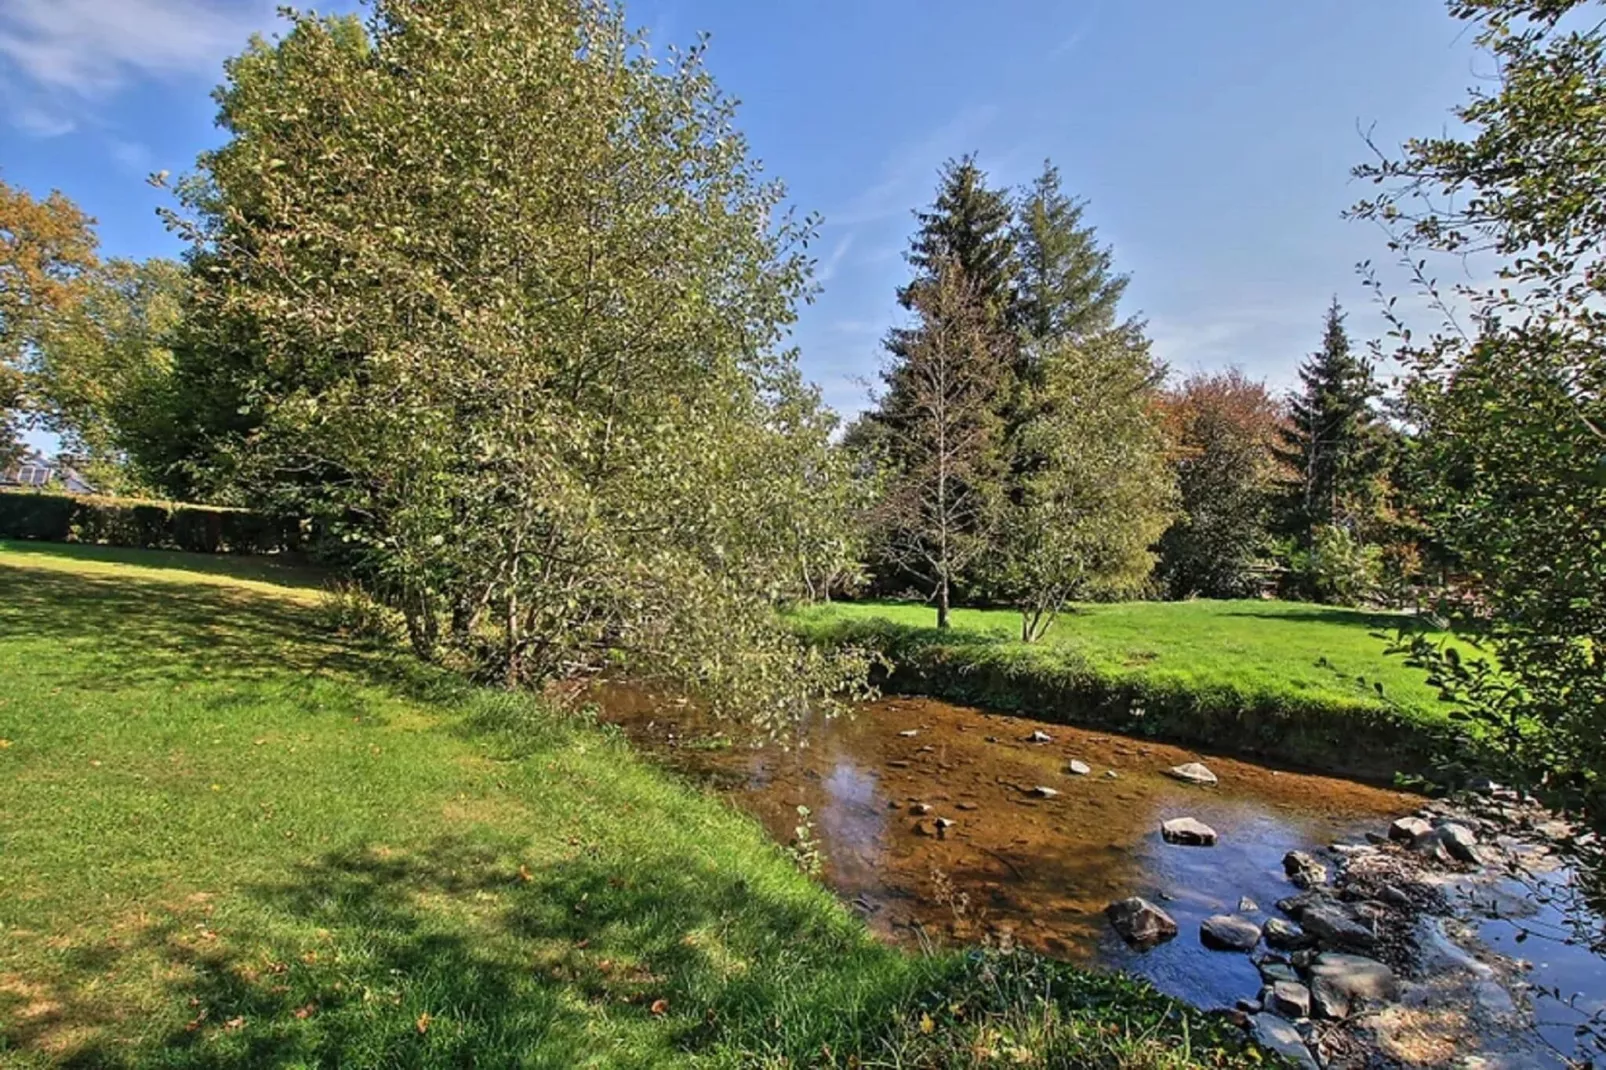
1139	922
1188	832
1304	870
1342	985
1272	972
1247	905
1192	773
1227	932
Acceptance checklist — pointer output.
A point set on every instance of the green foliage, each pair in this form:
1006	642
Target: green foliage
234	841
1067	287
345	609
1288	681
141	524
1509	402
497	296
1335	567
1223	430
1091	491
1329	436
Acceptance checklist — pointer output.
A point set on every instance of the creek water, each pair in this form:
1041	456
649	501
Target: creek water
1018	866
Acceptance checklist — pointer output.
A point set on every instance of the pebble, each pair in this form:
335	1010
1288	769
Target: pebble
1187	832
1078	768
1193	773
1225	932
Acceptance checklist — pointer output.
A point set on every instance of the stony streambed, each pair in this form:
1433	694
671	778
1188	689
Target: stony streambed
1300	904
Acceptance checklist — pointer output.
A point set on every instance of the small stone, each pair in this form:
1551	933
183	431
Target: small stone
1279	1035
1078	768
1332	925
1272	972
1192	773
1188	832
1039	736
943	825
1140	922
1460	842
1301	960
909	733
1287	999
1111	774
1043	793
1394	897
1250	1006
968	806
925	828
920	808
1296	905
1224	932
1304	870
1407	829
1286	936
1247	905
1342	985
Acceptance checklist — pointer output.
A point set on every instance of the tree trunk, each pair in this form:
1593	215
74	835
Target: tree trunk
942	602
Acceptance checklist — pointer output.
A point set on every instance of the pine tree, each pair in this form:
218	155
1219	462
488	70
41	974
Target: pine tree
1327	442
1067	290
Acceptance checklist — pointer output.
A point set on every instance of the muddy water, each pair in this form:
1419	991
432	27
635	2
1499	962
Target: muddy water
1016	867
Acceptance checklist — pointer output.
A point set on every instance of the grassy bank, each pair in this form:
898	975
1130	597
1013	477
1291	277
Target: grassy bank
1304	684
232	840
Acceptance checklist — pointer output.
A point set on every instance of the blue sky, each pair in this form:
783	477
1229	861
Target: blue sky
1213	141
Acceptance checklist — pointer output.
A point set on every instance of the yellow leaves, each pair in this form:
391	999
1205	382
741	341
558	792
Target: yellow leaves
422	1025
525	876
659	1008
927	1026
5	744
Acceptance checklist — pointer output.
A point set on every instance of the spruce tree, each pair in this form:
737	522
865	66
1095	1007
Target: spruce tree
1327	441
1067	290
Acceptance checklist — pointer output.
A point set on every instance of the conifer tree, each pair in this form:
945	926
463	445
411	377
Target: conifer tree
1327	441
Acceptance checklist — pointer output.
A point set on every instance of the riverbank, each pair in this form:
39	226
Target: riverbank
1310	686
235	840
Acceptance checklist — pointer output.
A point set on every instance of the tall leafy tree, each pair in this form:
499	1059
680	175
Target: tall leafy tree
1223	429
1327	442
1509	399
501	293
47	247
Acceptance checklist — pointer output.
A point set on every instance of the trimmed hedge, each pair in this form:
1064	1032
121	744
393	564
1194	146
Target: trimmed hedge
144	525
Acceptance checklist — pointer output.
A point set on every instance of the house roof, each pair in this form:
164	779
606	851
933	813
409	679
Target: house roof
37	471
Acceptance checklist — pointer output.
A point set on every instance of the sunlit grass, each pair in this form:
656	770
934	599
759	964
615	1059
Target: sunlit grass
231	840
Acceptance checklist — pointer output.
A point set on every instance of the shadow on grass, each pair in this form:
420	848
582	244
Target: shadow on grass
451	957
1335	615
147	631
280	571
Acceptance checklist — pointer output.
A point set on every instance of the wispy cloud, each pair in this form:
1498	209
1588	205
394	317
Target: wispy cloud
1081	32
132	157
832	262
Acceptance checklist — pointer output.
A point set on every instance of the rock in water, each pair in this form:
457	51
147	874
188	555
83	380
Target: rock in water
1407	829
1272	972
1247	905
1225	932
1286	936
1286	999
1193	773
1333	925
1140	922
1460	842
1078	768
1342	985
1304	870
1188	832
1280	1036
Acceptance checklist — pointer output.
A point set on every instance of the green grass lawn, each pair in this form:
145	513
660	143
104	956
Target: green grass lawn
1280	679
233	840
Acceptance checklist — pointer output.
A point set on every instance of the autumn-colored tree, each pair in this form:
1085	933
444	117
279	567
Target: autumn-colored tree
1223	429
46	247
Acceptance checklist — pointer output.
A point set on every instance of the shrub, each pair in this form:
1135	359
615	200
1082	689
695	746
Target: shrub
145	525
346	609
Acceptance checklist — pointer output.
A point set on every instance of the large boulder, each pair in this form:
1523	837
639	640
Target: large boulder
1460	842
1407	829
1341	985
1140	922
1188	832
1193	773
1227	932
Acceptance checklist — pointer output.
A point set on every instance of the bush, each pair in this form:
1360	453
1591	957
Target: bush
1337	569
346	609
144	525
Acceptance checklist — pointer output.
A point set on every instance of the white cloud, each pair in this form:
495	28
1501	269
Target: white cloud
910	173
832	262
41	122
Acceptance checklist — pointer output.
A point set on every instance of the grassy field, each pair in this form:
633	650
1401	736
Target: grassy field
1304	683
234	840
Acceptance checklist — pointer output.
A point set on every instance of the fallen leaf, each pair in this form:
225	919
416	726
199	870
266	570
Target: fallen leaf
926	1024
4	743
423	1023
307	1011
525	875
234	1023
660	1006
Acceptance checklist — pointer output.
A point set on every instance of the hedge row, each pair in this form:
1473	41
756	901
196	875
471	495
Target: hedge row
147	525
